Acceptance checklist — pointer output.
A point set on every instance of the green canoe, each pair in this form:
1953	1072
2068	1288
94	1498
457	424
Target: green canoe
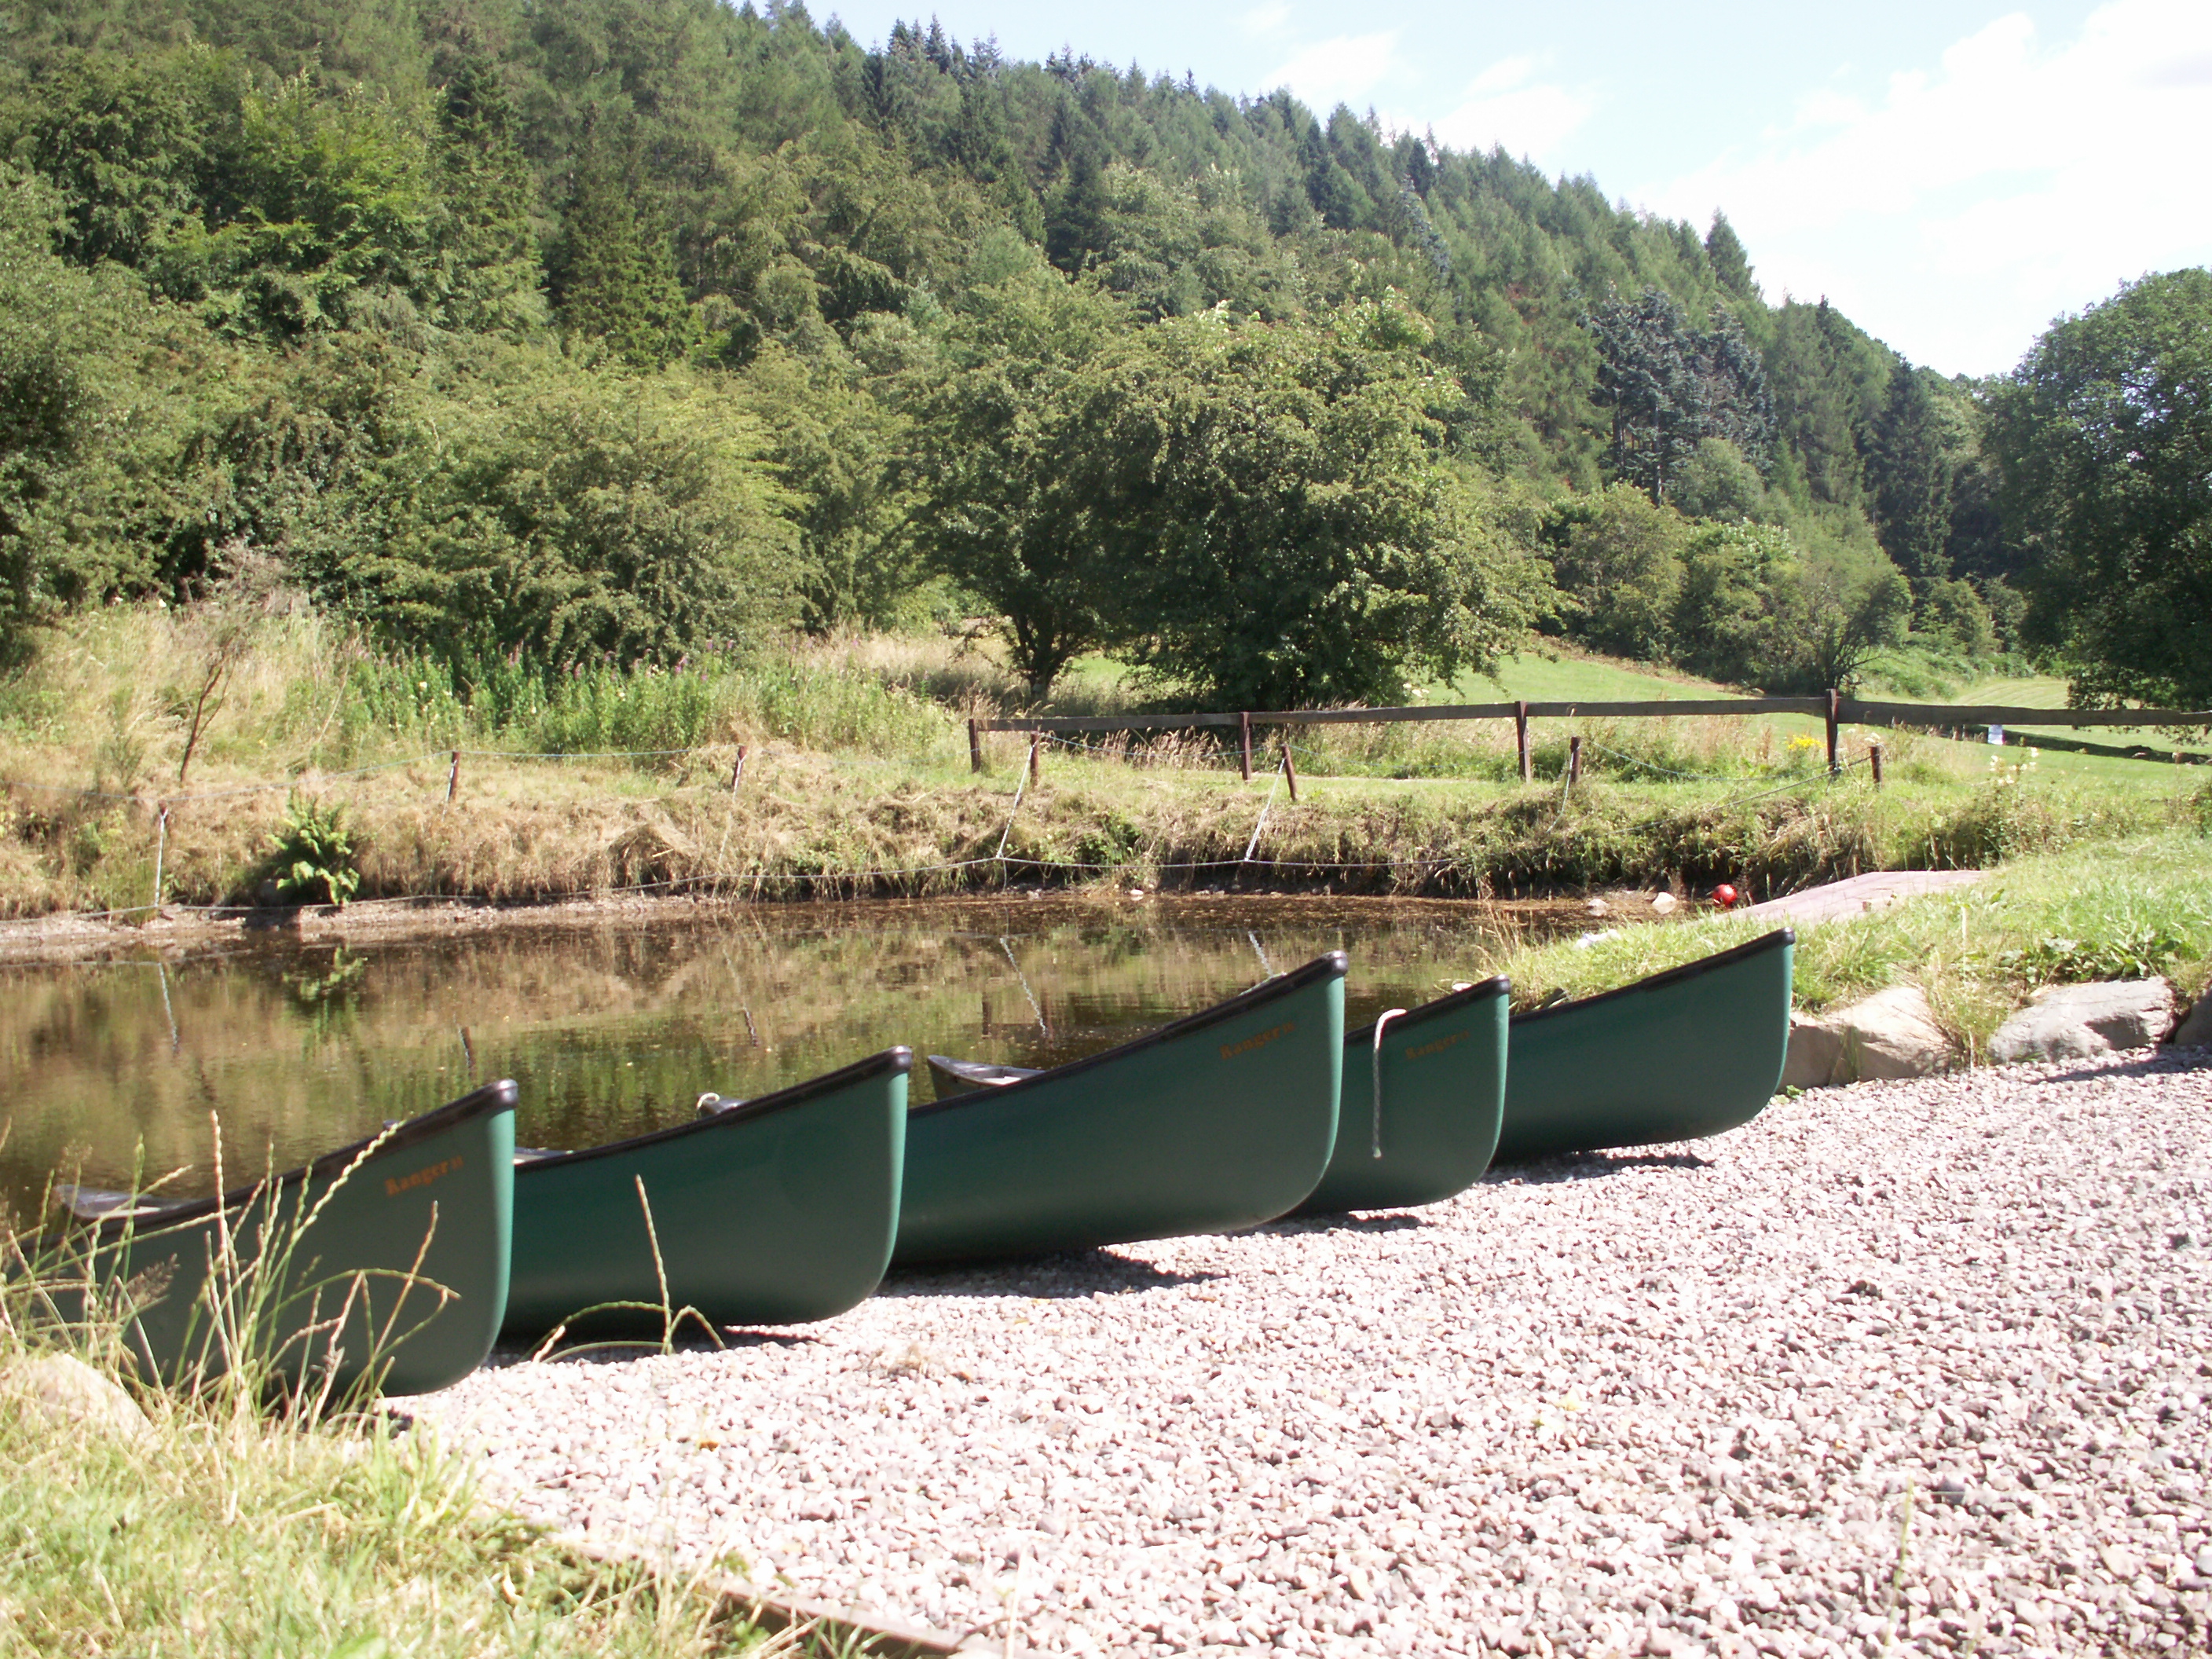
1690	1052
766	1211
385	1262
1217	1122
1421	1105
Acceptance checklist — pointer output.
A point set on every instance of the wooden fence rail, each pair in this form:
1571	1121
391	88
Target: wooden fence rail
1835	708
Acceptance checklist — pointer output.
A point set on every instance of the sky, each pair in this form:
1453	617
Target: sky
1953	175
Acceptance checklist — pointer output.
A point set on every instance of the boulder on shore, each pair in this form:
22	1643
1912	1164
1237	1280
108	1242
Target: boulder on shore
2072	1022
1891	1034
70	1394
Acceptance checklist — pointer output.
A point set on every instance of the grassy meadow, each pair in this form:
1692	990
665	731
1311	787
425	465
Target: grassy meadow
306	753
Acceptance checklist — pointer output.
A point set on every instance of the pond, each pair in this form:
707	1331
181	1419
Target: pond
614	1029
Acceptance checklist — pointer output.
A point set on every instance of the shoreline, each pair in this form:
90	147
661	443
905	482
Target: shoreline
92	937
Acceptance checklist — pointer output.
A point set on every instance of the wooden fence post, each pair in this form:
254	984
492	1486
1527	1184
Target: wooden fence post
1835	765
453	778
1521	738
739	770
975	748
1874	759
1244	728
1036	741
1574	761
1289	768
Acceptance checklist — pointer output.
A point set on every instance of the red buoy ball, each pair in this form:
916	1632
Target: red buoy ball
1724	896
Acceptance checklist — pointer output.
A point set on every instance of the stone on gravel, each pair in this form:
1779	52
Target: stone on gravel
1891	1034
1912	1368
1814	1055
2195	1030
2071	1022
69	1393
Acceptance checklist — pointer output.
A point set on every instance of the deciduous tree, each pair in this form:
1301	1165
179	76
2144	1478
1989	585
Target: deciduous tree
2104	438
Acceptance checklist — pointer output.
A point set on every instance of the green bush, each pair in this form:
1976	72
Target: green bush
313	859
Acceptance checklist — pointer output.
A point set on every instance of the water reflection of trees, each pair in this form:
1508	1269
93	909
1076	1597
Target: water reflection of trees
614	1029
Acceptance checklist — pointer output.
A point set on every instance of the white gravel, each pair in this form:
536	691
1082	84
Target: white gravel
1921	1366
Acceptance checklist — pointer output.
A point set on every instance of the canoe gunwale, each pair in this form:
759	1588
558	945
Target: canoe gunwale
492	1097
1331	964
898	1059
1780	938
1497	986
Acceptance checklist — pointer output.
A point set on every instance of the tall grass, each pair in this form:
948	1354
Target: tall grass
103	703
201	1522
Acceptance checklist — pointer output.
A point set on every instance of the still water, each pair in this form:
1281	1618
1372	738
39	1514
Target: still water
612	1030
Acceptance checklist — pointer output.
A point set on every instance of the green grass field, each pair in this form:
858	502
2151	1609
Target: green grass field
1563	677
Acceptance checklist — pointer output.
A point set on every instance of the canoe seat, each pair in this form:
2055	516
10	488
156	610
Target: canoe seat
960	1077
94	1203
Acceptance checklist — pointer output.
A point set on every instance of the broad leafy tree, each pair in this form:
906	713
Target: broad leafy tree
1618	559
1284	532
996	511
573	519
2103	437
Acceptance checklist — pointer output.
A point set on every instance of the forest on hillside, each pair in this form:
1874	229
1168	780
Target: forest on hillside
627	331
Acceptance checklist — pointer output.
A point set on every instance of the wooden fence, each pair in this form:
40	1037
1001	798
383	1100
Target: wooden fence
1834	708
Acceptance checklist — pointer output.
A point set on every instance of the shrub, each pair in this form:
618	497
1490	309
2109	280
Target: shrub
314	853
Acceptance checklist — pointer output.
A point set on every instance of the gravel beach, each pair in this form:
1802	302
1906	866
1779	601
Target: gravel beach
1920	1366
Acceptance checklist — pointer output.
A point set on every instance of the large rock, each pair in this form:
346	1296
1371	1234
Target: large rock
2072	1022
1891	1034
2195	1030
69	1393
1814	1055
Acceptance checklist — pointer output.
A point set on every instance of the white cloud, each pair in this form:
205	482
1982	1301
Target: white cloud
1265	20
1507	107
1341	71
1959	210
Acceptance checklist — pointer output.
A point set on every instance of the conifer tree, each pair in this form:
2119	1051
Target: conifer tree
1647	375
487	188
613	277
1075	216
1912	482
1729	262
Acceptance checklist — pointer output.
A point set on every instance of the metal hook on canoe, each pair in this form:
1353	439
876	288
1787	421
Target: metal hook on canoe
1375	1138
